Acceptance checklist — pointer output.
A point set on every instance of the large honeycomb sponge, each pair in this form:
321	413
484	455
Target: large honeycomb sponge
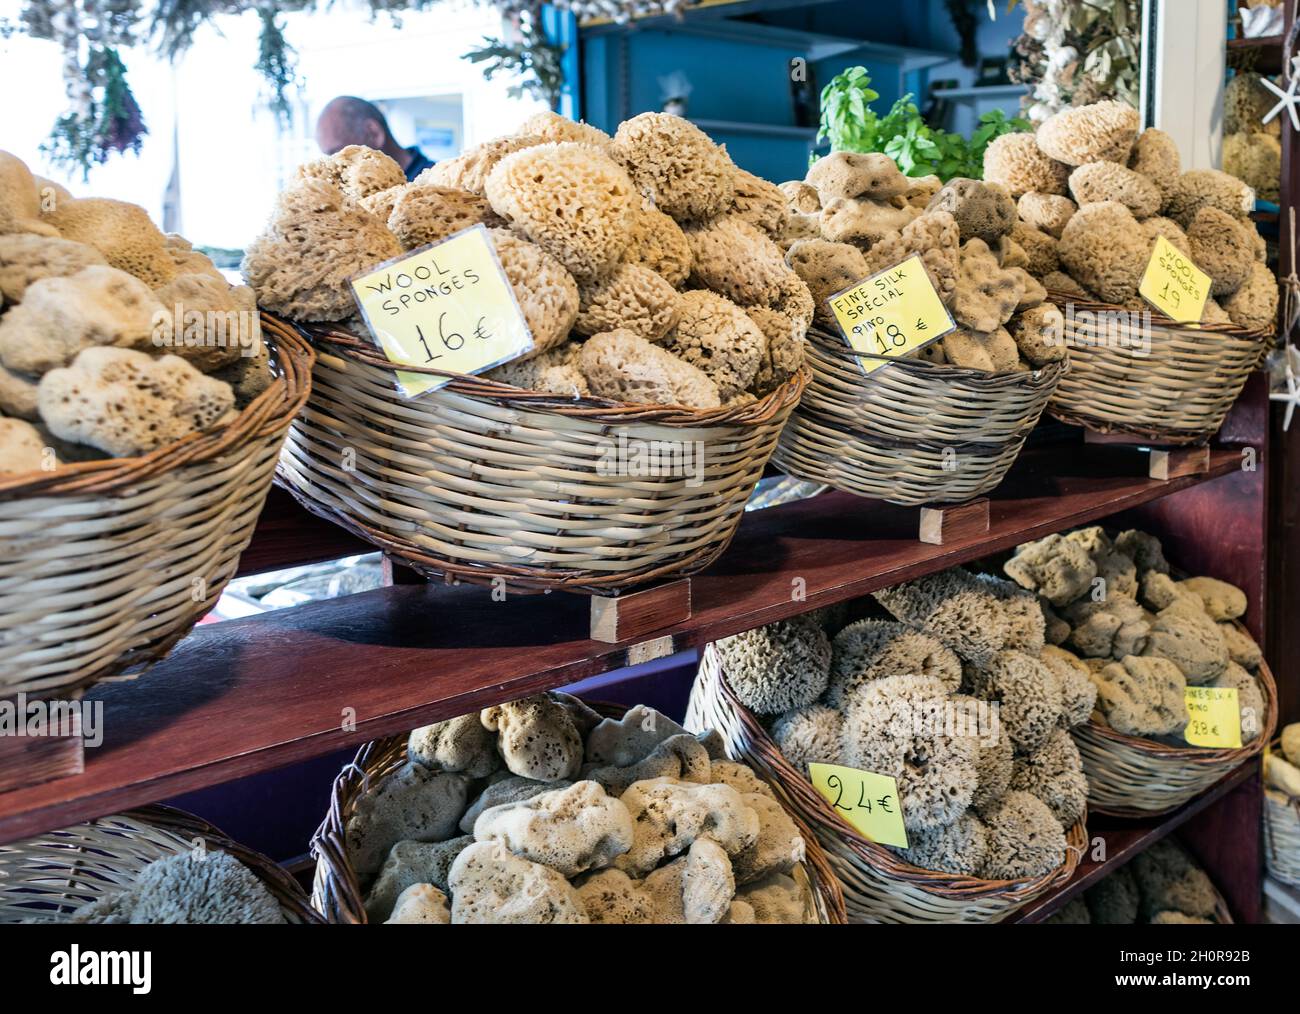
732	257
620	366
1048	212
316	239
356	170
1221	247
545	291
1015	161
1105	181
718	338
1254	305
987	294
676	165
554	371
1101	132
423	214
122	232
569	199
1024	838
1155	156
779	667
1104	249
551	126
983	211
1202	188
759	202
845	174
826	268
632	298
469	170
26	258
871	649
659	244
1256	159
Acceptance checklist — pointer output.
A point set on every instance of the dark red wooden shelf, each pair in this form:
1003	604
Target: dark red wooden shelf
1126	838
251	695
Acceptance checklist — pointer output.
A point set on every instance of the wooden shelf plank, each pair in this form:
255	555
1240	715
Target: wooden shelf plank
1125	839
250	695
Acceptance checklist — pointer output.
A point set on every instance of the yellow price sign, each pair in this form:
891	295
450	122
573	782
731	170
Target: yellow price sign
1214	717
891	314
448	306
1174	285
866	800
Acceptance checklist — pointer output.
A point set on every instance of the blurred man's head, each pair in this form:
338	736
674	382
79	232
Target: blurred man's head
350	120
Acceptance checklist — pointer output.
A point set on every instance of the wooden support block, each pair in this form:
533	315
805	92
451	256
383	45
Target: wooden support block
635	614
31	760
394	573
952	522
1171	462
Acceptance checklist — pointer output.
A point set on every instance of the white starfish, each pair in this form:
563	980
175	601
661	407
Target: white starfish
1287	99
1292	394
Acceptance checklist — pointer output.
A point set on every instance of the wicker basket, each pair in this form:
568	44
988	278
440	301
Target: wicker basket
480	481
105	565
910	433
337	894
46	878
1133	777
1176	393
879	887
1282	833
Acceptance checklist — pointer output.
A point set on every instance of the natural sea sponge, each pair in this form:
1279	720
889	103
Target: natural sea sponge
458	744
620	366
870	649
571	830
1168	881
759	202
1142	696
1246	101
26	258
632	298
801	198
863	222
777	848
491	886
1255	159
719	339
623	741
569	199
1057	569
538	737
126	402
659	244
1026	626
1078	694
1105	181
1054	773
189	261
777	899
953	606
420	904
1030	694
1039	334
987	294
21	447
611	897
845	174
1059	281
122	232
424	214
410	863
547	294
1242	648
994	352
1250	700
1187	637
1158	225
670	815
983	211
897	726
676	165
59	317
1048	212
1208	188
469	170
20	199
1041	249
696	889
682	757
356	170
1144	550
314	242
934	236
1114	900
554	371
1254	305
809	735
1222	601
412	804
921	190
1109	628
1101	132
1219	245
827	268
504	788
779	667
1155	156
960	848
1024	839
1015	161
736	260
208	322
551	126
784	327
994	764
1104	249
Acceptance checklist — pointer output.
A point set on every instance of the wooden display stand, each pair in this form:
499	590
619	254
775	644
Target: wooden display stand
949	523
31	760
1162	462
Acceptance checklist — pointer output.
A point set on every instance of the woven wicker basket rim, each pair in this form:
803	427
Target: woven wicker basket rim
973	447
1046	376
1159	319
596	410
1199	755
944	884
328	844
267	414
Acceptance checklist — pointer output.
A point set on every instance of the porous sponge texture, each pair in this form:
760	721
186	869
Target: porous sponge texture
1015	161
676	165
621	366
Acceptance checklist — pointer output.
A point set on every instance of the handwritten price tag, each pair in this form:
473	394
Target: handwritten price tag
891	314
448	306
1215	717
1174	285
867	801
